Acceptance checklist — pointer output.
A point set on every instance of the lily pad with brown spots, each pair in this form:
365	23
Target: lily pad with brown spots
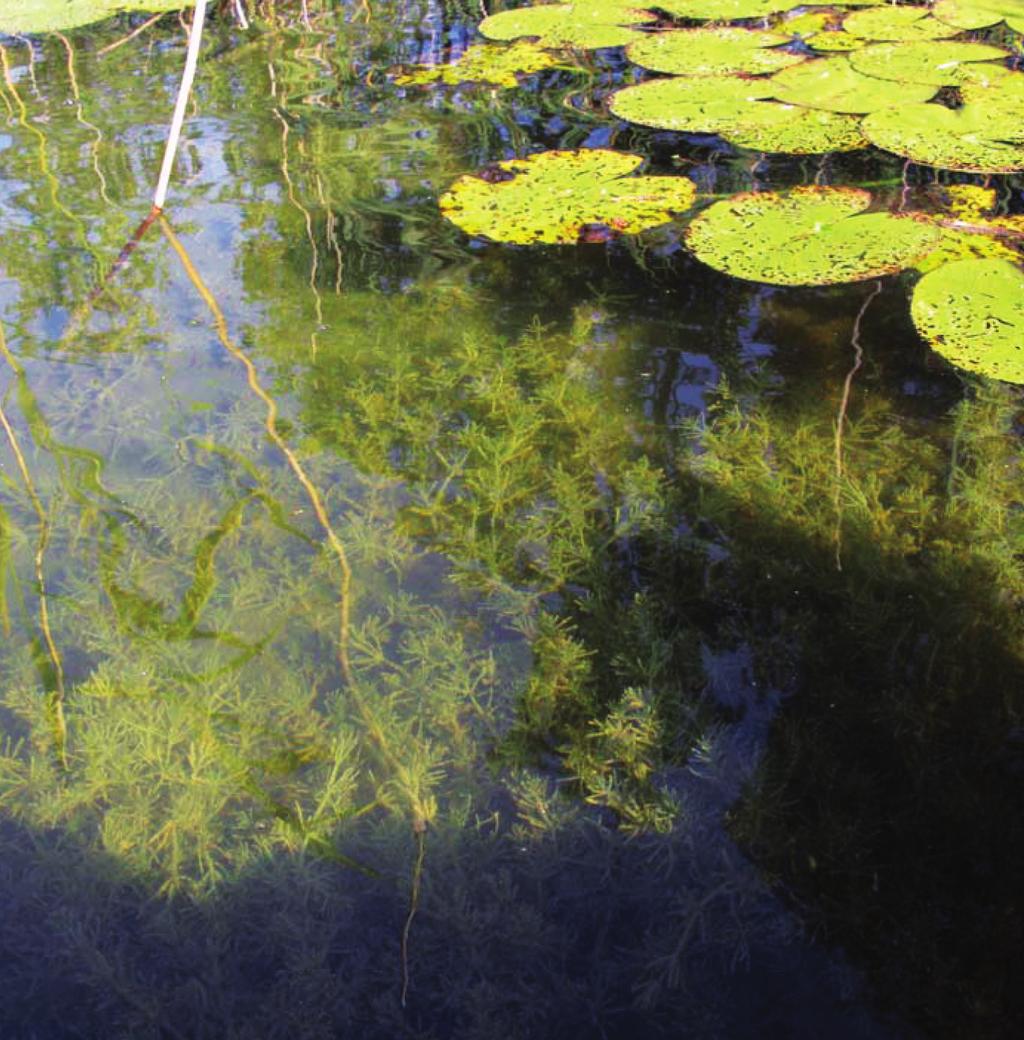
558	197
807	236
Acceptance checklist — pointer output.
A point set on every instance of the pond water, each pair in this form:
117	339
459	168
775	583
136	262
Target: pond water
406	634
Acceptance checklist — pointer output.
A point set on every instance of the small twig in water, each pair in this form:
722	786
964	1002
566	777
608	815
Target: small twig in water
137	31
844	404
420	830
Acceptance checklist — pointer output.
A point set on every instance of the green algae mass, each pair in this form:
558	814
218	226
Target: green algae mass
897	24
552	197
834	84
739	110
938	62
978	14
589	24
808	236
972	313
43	16
972	138
712	51
496	64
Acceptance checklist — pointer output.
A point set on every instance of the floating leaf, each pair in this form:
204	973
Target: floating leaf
970	227
555	196
998	93
967	138
492	63
897	24
43	16
978	14
972	313
834	84
736	109
588	24
725	10
708	52
937	62
808	236
821	30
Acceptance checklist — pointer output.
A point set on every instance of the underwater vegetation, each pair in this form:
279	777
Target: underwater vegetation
486	565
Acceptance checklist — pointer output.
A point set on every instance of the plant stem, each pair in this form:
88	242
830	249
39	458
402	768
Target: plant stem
191	58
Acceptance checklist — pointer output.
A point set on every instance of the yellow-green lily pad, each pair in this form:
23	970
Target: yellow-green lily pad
978	14
725	10
493	63
972	313
937	62
587	24
555	197
807	236
967	138
738	109
998	93
834	84
43	16
971	229
822	30
712	51
897	24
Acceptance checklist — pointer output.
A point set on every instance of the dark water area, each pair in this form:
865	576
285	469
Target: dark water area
408	635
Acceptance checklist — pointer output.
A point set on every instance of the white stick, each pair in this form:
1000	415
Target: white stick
191	58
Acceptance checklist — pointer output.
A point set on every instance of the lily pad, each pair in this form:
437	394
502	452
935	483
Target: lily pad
978	14
713	51
998	93
834	84
972	313
43	16
492	63
822	30
808	236
554	197
971	229
967	138
588	24
897	24
937	62
725	10
738	110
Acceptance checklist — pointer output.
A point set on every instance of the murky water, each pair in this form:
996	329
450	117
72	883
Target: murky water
405	635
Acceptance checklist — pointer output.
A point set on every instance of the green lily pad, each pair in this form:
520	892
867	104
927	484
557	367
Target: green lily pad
725	10
897	24
492	63
553	196
978	14
937	62
998	94
831	42
966	138
587	24
972	313
834	84
43	16
713	51
971	229
808	236
822	30
738	110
